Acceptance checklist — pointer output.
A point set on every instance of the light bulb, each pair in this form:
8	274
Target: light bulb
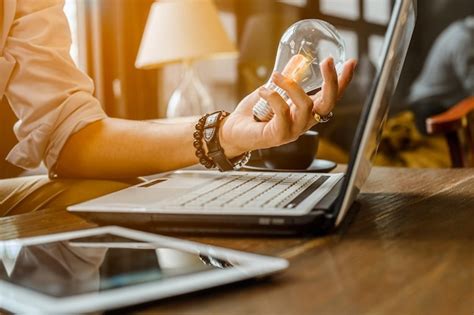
302	48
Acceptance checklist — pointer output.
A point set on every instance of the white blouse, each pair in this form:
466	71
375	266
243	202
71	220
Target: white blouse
50	96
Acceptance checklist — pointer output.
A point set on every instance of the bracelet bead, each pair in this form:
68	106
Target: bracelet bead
198	143
197	135
199	154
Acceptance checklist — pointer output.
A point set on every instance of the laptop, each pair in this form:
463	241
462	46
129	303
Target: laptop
266	202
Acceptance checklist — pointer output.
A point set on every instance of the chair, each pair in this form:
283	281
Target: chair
457	125
7	140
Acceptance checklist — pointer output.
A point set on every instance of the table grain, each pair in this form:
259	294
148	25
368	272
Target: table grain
409	250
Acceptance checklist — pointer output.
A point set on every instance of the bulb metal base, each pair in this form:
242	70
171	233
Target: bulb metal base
262	111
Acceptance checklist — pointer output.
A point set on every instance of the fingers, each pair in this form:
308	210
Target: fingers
346	76
298	96
289	122
279	106
281	121
302	104
333	87
329	89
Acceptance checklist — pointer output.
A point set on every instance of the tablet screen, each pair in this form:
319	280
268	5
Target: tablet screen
98	263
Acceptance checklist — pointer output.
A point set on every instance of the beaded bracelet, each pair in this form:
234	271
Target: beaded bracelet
206	161
198	144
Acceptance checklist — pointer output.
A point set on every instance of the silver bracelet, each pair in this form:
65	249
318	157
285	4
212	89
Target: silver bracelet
242	161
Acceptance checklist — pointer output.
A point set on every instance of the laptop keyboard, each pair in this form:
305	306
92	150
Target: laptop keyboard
259	190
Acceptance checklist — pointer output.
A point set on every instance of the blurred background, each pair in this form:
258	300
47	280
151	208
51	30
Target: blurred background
107	35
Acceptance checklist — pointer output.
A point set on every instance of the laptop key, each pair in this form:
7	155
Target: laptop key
261	190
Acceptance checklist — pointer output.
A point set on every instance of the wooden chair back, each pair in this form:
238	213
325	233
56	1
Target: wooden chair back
457	124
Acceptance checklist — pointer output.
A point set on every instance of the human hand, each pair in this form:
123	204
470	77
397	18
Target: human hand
241	133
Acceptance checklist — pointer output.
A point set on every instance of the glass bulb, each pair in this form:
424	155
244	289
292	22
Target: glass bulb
302	48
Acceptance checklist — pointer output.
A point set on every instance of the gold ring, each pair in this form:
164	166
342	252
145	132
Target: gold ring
323	119
317	117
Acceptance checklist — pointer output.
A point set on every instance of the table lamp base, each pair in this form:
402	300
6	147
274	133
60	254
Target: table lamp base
191	98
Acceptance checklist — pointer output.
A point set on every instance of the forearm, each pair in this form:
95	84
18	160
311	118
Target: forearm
115	148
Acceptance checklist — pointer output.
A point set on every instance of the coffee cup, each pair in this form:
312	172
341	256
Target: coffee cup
296	155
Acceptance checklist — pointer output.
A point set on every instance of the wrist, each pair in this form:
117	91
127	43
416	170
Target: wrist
208	132
228	142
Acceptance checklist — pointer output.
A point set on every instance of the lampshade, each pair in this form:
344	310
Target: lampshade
183	30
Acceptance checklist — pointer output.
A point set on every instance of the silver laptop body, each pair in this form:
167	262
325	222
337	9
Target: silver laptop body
266	202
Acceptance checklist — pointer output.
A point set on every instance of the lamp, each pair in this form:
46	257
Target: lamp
184	31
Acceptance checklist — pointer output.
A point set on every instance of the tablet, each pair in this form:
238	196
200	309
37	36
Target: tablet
111	267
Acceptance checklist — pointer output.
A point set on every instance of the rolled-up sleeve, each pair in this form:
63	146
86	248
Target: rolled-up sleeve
50	96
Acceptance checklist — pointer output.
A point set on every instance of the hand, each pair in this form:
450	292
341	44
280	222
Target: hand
241	133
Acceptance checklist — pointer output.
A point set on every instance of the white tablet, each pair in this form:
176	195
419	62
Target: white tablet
112	267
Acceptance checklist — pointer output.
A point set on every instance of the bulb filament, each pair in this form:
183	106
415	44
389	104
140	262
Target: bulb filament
297	68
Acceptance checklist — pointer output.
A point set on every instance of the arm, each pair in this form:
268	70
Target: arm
63	124
121	148
113	148
50	96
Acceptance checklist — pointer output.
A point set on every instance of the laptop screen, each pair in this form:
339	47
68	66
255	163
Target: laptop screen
376	108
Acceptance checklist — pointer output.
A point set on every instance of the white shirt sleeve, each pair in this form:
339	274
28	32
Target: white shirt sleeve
50	96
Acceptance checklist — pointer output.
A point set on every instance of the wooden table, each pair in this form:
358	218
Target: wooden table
409	250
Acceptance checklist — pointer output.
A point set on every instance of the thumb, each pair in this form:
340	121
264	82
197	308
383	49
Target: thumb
246	105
